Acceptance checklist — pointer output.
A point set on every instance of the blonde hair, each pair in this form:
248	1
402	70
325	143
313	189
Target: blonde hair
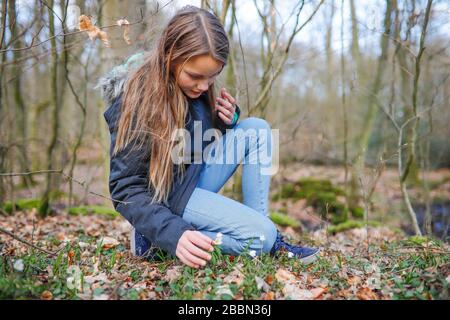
153	105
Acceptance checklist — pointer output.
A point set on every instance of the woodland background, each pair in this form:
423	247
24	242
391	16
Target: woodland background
360	93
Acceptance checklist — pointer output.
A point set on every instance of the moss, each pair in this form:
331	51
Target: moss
87	210
421	241
339	213
287	191
21	204
57	195
350	224
284	220
357	212
322	195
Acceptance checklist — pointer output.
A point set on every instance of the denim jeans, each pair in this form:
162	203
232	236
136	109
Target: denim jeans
244	226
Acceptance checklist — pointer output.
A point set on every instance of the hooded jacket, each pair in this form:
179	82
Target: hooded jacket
161	223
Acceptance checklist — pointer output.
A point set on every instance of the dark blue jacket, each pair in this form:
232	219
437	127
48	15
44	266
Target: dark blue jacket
160	223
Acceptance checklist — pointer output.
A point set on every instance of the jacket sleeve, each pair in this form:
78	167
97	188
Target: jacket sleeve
222	126
128	182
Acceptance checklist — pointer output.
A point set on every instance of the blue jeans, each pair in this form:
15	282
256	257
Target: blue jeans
244	226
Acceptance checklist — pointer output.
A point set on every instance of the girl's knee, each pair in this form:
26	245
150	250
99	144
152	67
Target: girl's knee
270	235
262	238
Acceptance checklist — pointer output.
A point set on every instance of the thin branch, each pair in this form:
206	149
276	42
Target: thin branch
83	184
62	34
28	243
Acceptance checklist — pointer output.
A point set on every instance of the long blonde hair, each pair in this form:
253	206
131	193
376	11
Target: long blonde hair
153	105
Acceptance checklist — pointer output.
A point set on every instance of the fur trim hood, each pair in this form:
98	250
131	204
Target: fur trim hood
111	84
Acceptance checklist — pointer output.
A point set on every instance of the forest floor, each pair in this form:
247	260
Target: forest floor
88	254
90	259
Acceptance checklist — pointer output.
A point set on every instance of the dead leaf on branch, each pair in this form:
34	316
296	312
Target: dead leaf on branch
85	24
126	29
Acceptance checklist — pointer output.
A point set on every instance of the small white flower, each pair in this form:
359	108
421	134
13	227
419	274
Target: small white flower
74	279
290	255
252	253
262	238
218	239
18	265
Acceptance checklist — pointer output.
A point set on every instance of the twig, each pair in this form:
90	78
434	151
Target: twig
28	243
83	184
14	174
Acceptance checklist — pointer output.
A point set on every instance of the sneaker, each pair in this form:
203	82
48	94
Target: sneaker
304	254
141	247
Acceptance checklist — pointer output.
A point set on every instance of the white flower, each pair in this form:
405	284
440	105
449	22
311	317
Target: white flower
290	255
218	239
262	238
252	253
18	265
74	280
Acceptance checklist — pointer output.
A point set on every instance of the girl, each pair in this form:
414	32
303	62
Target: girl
177	207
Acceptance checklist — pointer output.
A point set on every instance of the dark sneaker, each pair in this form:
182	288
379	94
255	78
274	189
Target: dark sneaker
142	247
304	254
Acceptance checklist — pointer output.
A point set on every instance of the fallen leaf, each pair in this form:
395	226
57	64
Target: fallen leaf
108	242
235	276
294	292
366	294
46	295
173	274
283	275
101	297
261	284
269	296
70	256
317	292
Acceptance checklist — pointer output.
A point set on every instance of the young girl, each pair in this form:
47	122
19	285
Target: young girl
176	207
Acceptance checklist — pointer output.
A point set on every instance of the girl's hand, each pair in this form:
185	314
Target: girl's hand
192	248
226	106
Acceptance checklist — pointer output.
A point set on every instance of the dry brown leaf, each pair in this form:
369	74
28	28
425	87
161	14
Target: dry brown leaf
366	294
355	280
126	29
294	292
70	256
85	24
173	274
108	242
46	295
269	279
269	296
283	275
317	292
235	276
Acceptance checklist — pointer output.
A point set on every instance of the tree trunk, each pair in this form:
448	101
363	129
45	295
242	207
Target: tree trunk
371	102
44	208
21	110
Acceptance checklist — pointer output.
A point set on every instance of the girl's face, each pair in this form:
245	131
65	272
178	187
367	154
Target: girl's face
197	74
